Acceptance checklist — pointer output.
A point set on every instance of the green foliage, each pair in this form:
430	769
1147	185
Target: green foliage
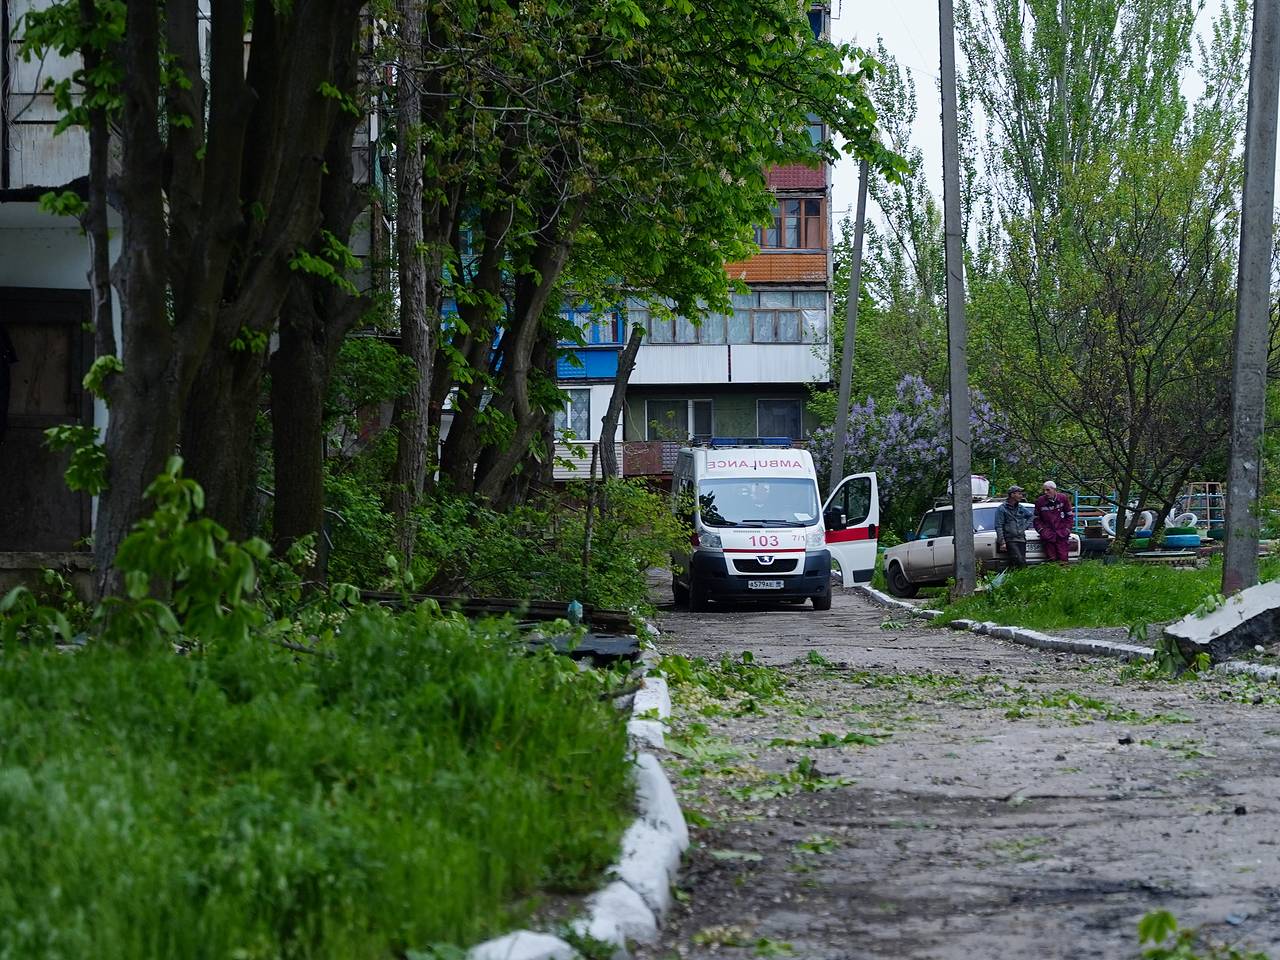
1171	942
87	470
66	203
1104	318
250	341
728	678
58	28
240	801
344	100
103	367
1092	594
536	549
397	784
208	578
331	262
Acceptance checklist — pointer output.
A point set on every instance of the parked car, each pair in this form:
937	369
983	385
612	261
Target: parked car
928	558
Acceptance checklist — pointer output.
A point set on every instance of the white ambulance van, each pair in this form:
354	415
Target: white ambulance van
759	532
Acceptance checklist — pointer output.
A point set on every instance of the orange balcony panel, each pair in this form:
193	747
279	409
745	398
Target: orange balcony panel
781	268
797	177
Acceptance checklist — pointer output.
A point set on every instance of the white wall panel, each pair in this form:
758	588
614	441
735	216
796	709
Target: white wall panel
661	363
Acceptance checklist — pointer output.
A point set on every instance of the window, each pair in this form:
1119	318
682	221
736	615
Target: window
749	502
595	327
575	417
679	420
764	316
817	132
930	526
780	418
854	500
818	22
797	224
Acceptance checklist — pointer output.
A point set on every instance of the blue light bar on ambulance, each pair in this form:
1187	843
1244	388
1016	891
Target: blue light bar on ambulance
750	442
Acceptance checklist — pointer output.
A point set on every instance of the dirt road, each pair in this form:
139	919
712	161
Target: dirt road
892	790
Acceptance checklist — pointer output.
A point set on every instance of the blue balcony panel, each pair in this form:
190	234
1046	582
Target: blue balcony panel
592	365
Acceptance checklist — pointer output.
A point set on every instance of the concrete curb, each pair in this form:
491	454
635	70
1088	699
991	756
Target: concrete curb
1043	641
882	598
1270	674
524	945
1028	638
630	908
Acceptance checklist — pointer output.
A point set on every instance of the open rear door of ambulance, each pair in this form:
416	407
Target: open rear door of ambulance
852	518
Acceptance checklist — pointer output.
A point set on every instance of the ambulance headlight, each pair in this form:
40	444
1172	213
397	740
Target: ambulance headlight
816	539
710	541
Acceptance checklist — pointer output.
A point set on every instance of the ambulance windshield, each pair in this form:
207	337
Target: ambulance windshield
767	502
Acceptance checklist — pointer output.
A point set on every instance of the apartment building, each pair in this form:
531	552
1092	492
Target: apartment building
744	373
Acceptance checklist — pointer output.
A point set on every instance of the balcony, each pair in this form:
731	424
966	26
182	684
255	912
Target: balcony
574	461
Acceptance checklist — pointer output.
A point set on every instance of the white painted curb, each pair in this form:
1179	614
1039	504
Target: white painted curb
1258	670
524	945
1043	641
1028	638
630	908
882	598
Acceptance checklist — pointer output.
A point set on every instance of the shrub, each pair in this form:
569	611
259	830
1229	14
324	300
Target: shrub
382	784
408	789
536	550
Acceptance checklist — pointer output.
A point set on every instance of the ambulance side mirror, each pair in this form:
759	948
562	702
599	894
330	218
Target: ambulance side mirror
833	518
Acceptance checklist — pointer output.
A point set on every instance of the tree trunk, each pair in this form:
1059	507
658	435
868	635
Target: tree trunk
316	318
219	424
146	397
417	341
299	376
617	400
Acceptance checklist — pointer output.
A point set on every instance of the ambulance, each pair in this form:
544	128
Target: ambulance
760	531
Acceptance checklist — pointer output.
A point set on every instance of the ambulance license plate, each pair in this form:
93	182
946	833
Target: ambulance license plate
764	584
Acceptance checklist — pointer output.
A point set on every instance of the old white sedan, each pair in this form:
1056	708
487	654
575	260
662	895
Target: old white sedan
928	558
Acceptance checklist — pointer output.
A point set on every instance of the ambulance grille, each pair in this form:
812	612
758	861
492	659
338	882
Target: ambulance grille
752	565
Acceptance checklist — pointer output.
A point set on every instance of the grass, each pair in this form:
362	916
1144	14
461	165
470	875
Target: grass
1092	594
418	787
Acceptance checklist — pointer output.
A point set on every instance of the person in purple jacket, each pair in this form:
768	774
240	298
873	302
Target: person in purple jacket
1054	518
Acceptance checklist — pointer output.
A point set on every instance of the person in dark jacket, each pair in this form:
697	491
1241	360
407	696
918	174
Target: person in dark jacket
1055	516
1011	528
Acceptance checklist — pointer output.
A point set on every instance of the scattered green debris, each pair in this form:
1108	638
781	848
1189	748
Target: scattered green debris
1171	942
744	856
826	740
817	843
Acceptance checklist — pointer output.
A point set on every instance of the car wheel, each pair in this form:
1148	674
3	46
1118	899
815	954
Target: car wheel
679	593
822	601
698	599
899	585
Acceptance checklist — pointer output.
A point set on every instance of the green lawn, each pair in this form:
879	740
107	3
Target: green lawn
1091	594
417	786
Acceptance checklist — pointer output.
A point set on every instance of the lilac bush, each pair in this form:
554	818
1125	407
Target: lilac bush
907	445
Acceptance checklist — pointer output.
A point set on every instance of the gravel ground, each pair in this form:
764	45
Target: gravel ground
900	791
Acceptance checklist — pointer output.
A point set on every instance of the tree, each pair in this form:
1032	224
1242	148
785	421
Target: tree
221	174
1103	321
606	150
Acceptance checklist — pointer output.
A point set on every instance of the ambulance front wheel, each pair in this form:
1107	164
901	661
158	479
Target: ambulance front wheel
698	598
679	593
822	601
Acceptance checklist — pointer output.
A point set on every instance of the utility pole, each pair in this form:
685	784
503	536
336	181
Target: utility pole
1253	300
850	334
957	331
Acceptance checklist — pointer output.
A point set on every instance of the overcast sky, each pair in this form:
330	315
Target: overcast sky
910	31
